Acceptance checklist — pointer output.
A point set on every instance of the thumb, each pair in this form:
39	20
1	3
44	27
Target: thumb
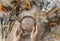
20	34
33	30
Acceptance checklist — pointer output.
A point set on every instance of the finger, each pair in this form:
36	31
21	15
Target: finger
20	34
37	29
18	30
33	30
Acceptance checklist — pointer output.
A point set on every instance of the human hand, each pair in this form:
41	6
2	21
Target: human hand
16	33
34	34
19	33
